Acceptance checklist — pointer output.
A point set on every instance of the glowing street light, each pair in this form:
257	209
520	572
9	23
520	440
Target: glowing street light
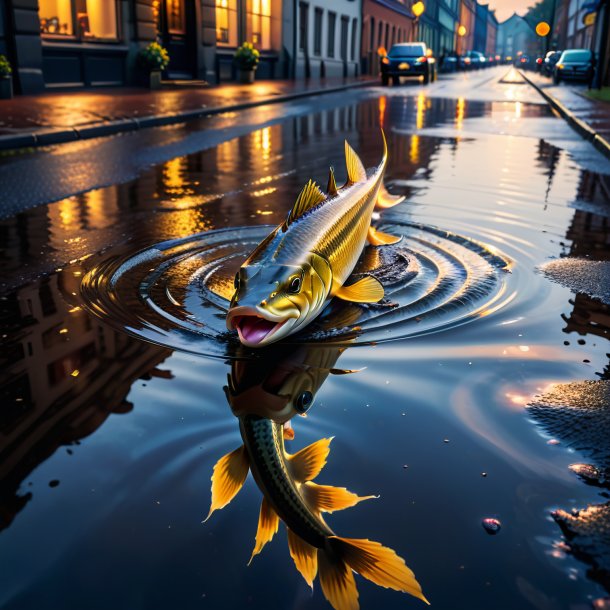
543	28
418	9
462	31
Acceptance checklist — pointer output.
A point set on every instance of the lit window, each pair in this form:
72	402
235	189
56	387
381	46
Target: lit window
83	19
175	16
56	17
226	23
259	23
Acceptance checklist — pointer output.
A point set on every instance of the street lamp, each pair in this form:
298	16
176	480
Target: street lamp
418	10
543	29
461	32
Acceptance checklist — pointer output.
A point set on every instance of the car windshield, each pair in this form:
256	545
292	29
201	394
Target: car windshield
583	55
411	50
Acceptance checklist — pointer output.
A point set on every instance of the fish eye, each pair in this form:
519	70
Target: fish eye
295	285
303	401
236	281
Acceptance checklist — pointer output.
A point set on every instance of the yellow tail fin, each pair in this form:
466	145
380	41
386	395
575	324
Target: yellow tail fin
327	499
385	200
307	463
305	557
378	564
228	477
337	581
268	523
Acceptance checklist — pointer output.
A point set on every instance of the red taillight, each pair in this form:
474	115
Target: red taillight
539	60
421	60
385	60
523	60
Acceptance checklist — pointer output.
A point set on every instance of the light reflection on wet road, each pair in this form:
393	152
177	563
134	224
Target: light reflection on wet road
131	429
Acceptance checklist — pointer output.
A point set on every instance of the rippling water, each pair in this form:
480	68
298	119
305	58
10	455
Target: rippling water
116	363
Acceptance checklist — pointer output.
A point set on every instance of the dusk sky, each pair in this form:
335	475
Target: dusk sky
505	8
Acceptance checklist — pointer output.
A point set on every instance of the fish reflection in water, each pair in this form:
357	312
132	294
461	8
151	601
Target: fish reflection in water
265	394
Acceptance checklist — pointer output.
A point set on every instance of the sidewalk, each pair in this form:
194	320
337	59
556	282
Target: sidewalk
591	118
52	118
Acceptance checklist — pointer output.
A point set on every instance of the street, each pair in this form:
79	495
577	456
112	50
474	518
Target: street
118	258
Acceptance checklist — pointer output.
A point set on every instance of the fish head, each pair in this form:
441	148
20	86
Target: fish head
272	301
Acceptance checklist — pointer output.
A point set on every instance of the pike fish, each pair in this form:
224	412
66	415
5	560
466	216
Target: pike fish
292	274
287	388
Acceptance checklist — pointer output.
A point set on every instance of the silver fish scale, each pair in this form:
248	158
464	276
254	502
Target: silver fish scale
263	440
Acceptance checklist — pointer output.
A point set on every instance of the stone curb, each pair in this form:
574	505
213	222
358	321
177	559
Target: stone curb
582	128
46	137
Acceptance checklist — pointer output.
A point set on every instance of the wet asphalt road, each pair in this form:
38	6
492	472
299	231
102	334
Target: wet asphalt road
111	433
60	171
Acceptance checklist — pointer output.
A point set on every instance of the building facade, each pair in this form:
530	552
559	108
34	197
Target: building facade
516	36
384	22
480	27
492	34
324	39
448	20
465	42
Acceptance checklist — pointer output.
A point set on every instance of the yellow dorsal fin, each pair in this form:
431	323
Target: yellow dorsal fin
377	563
305	557
366	290
308	198
337	582
386	200
331	188
268	523
355	169
229	475
307	463
378	238
327	499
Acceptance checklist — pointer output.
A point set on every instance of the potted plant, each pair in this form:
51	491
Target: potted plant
246	60
153	59
6	83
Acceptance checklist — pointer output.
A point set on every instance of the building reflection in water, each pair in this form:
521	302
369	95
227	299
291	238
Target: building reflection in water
63	373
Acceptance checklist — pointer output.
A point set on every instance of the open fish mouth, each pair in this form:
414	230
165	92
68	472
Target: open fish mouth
253	329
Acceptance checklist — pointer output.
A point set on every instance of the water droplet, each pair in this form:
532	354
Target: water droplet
483	474
445	440
53	483
553	441
491	526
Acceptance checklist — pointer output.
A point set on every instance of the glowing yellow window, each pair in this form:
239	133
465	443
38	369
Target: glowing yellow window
56	17
259	23
226	23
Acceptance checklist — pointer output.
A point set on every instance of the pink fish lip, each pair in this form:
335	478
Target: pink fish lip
252	326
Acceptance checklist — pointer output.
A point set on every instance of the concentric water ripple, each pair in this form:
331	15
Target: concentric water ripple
176	293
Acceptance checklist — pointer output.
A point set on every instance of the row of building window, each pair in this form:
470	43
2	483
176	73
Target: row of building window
331	28
79	19
381	34
258	23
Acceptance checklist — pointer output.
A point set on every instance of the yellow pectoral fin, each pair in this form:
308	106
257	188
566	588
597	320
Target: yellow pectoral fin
378	238
268	523
305	557
228	478
366	290
327	499
385	200
307	463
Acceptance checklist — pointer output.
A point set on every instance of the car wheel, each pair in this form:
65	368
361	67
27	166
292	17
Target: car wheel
426	78
556	79
395	80
385	80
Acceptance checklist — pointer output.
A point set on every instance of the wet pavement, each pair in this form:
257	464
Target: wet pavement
121	389
594	113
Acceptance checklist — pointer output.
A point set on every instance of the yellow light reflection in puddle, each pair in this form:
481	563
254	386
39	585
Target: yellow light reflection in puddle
382	106
517	110
421	111
184	222
459	113
262	142
75	373
264	212
262	192
414	149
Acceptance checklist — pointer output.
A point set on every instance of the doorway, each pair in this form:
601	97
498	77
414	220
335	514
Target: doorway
176	28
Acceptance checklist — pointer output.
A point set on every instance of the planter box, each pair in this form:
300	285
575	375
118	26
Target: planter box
246	77
6	88
155	79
